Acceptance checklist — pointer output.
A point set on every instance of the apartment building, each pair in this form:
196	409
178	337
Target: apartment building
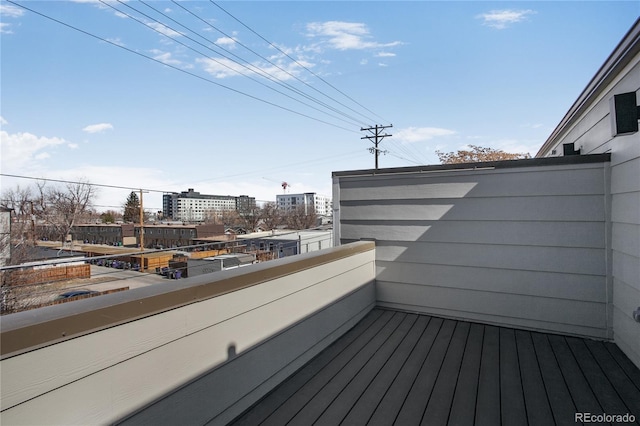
192	206
321	204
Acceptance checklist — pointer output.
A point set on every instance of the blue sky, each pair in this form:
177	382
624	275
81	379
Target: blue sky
170	113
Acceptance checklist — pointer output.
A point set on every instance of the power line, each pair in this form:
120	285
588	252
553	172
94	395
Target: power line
179	69
78	182
253	69
284	166
164	191
414	157
294	60
259	70
291	58
403	158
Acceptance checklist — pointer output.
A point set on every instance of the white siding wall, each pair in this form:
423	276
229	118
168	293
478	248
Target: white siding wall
212	359
522	247
592	132
309	243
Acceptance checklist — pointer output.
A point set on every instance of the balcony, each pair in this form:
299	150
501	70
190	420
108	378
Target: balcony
403	368
487	297
99	360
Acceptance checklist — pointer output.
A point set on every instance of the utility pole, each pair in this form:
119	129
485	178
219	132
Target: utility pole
376	137
141	234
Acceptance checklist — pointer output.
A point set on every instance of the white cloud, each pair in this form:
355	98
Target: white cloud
3	121
21	151
501	19
11	11
96	128
100	4
224	68
383	65
227	42
165	57
419	134
345	35
73	145
220	68
116	41
163	29
4	28
385	55
42	156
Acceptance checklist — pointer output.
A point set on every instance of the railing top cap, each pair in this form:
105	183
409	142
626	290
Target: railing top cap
29	330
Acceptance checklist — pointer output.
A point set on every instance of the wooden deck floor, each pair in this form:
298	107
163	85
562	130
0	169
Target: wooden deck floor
405	369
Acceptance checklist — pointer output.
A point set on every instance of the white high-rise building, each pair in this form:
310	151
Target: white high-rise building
321	203
193	206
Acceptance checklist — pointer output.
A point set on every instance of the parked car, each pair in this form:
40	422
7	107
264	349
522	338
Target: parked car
75	293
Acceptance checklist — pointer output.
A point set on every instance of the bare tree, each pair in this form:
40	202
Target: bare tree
229	218
478	154
301	217
271	215
250	217
18	239
62	207
43	212
20	201
211	216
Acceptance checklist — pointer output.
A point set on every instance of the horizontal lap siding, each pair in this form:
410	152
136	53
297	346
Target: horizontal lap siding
523	246
588	288
593	134
569	207
556	233
576	179
626	251
551	314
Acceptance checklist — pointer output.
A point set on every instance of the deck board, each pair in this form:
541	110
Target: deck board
535	395
370	399
463	409
309	389
439	405
314	408
488	402
512	406
415	404
624	387
579	389
403	368
604	392
387	410
290	387
562	406
625	363
349	394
